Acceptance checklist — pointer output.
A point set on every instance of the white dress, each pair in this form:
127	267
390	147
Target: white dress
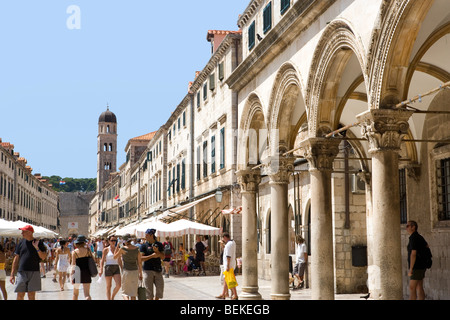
63	262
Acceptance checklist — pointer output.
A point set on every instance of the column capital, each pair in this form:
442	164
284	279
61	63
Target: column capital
280	168
385	128
320	152
249	179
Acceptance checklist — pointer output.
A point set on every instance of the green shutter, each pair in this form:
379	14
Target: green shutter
285	4
251	36
221	72
267	17
212	82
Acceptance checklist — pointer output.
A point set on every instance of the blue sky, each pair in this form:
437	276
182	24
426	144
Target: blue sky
136	55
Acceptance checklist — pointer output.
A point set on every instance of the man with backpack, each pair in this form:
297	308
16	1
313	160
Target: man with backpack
419	259
168	249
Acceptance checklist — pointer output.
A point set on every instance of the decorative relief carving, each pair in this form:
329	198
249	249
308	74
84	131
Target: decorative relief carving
280	168
320	152
384	128
249	180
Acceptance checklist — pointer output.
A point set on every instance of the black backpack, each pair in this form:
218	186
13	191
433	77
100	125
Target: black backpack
167	249
426	256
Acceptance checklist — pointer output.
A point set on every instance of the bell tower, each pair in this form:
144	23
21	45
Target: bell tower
106	147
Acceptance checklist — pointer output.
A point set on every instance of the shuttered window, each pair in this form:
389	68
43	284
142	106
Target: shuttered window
221	72
212	82
251	36
267	17
222	148
444	189
213	154
285	4
205	158
183	174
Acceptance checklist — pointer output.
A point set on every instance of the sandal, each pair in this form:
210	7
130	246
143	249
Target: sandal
234	298
220	297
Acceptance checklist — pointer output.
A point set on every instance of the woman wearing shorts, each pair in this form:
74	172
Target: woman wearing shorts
3	273
112	268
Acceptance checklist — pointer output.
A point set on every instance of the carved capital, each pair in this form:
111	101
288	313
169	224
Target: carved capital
320	152
249	180
279	169
384	128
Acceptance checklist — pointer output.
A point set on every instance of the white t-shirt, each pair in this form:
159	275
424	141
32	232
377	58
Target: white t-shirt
301	250
229	251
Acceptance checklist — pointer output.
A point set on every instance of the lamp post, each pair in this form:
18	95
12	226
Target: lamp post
218	195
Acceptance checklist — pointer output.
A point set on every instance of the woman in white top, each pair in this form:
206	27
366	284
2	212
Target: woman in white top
63	261
112	268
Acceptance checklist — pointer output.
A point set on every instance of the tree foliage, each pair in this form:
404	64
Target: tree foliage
72	184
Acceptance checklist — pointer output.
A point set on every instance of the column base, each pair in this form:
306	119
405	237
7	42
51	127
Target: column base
280	296
250	293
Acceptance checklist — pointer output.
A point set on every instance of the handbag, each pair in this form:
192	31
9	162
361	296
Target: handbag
92	266
142	292
230	278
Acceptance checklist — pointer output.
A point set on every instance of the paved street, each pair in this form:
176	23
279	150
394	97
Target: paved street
176	288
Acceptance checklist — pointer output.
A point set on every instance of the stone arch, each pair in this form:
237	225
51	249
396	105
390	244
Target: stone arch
285	97
252	126
334	50
409	30
392	46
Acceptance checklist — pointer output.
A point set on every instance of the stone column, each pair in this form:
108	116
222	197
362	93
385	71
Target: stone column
249	181
320	153
279	172
385	130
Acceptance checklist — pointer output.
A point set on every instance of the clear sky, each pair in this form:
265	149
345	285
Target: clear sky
60	66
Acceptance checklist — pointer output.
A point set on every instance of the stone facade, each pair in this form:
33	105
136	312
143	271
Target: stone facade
74	217
282	88
25	196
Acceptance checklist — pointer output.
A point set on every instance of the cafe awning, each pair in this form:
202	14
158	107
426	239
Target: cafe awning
176	212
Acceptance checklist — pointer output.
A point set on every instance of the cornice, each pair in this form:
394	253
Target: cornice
294	21
216	57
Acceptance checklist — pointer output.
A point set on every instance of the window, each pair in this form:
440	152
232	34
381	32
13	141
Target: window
184	118
222	148
403	207
178	177
285	4
170	182
221	72
205	91
183	174
205	158
444	189
251	36
213	154
212	82
267	17
198	99
198	163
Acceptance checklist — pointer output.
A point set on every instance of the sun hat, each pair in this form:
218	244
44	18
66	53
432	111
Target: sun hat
80	239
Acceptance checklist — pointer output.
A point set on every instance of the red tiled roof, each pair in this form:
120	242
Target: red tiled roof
148	136
211	33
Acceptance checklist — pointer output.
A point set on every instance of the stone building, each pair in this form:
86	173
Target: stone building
25	196
74	212
332	130
310	68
